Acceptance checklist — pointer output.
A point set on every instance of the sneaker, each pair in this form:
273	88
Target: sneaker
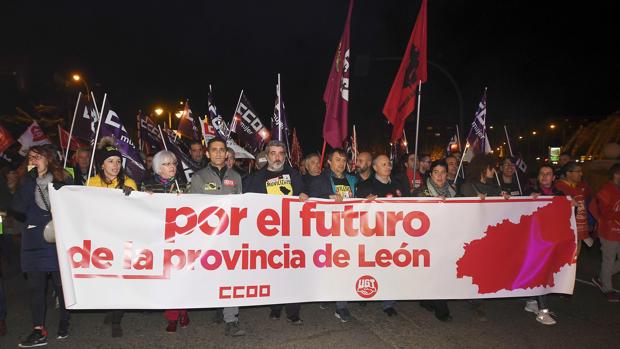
544	317
172	327
390	311
117	331
295	320
613	297
597	282
218	318
275	314
343	314
232	329
531	305
63	330
184	320
37	338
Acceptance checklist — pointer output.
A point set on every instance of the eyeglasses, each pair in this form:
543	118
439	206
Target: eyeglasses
169	164
35	157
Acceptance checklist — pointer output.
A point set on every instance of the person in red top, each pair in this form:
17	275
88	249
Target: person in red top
573	185
606	210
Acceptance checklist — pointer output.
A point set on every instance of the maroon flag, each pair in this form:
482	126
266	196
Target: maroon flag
336	95
63	137
187	126
401	100
6	140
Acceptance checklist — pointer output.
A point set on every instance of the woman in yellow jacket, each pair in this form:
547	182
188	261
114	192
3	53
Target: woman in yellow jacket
110	174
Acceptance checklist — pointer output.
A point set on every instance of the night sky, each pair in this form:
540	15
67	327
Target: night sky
541	64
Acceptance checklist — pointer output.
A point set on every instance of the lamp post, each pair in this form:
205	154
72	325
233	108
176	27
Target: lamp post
78	78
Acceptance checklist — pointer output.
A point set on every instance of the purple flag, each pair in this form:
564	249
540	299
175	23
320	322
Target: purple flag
149	134
186	165
218	123
112	126
477	141
336	95
86	119
279	124
248	126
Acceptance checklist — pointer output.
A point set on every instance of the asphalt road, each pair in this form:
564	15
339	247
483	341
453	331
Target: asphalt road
585	320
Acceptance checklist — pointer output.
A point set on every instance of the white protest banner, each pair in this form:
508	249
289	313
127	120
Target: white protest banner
168	251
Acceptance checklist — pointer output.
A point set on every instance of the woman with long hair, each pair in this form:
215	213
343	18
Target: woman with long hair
110	174
38	257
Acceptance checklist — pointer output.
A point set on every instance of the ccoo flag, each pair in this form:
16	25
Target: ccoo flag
248	125
219	125
336	95
279	125
402	98
86	119
187	126
477	140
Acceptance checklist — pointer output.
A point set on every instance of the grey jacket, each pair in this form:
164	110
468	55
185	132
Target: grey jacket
207	181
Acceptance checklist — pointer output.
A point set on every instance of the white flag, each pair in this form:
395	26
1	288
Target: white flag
32	136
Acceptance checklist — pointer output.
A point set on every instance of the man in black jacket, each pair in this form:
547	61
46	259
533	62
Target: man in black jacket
278	178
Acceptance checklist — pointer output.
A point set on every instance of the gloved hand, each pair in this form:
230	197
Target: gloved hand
127	190
33	173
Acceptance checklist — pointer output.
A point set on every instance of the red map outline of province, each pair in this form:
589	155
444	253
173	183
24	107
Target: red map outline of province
523	255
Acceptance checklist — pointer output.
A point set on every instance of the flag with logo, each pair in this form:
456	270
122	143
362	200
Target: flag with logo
218	124
149	135
248	126
453	145
33	135
86	119
279	124
112	126
336	95
401	100
185	164
6	140
477	139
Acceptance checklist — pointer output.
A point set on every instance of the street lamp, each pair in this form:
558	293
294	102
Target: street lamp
78	78
552	126
159	111
533	133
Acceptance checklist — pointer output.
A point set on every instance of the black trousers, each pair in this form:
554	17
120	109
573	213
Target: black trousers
37	285
292	309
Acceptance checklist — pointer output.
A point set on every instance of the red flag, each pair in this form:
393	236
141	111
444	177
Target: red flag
336	95
401	100
6	140
63	136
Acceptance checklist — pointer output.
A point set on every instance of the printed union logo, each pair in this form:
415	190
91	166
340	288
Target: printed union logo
367	286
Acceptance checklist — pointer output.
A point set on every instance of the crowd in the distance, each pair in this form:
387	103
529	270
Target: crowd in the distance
26	204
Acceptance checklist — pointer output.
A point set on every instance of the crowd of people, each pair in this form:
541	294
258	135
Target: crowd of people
26	207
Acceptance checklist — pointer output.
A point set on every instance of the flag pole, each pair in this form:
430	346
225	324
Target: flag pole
512	155
71	129
323	154
458	136
232	122
406	143
161	134
461	162
417	129
92	155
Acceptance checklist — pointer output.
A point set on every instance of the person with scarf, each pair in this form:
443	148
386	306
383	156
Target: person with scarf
39	258
437	186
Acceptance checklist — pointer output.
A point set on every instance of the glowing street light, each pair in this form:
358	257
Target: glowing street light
533	133
520	137
159	111
78	78
178	114
552	126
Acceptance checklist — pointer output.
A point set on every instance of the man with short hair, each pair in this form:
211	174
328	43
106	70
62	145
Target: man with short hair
82	160
278	178
383	185
453	167
197	153
334	183
363	166
217	179
508	178
419	180
312	163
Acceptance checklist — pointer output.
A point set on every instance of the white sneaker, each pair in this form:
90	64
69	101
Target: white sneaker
544	317
531	305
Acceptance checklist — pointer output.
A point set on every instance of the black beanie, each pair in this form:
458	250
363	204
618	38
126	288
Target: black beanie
106	152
